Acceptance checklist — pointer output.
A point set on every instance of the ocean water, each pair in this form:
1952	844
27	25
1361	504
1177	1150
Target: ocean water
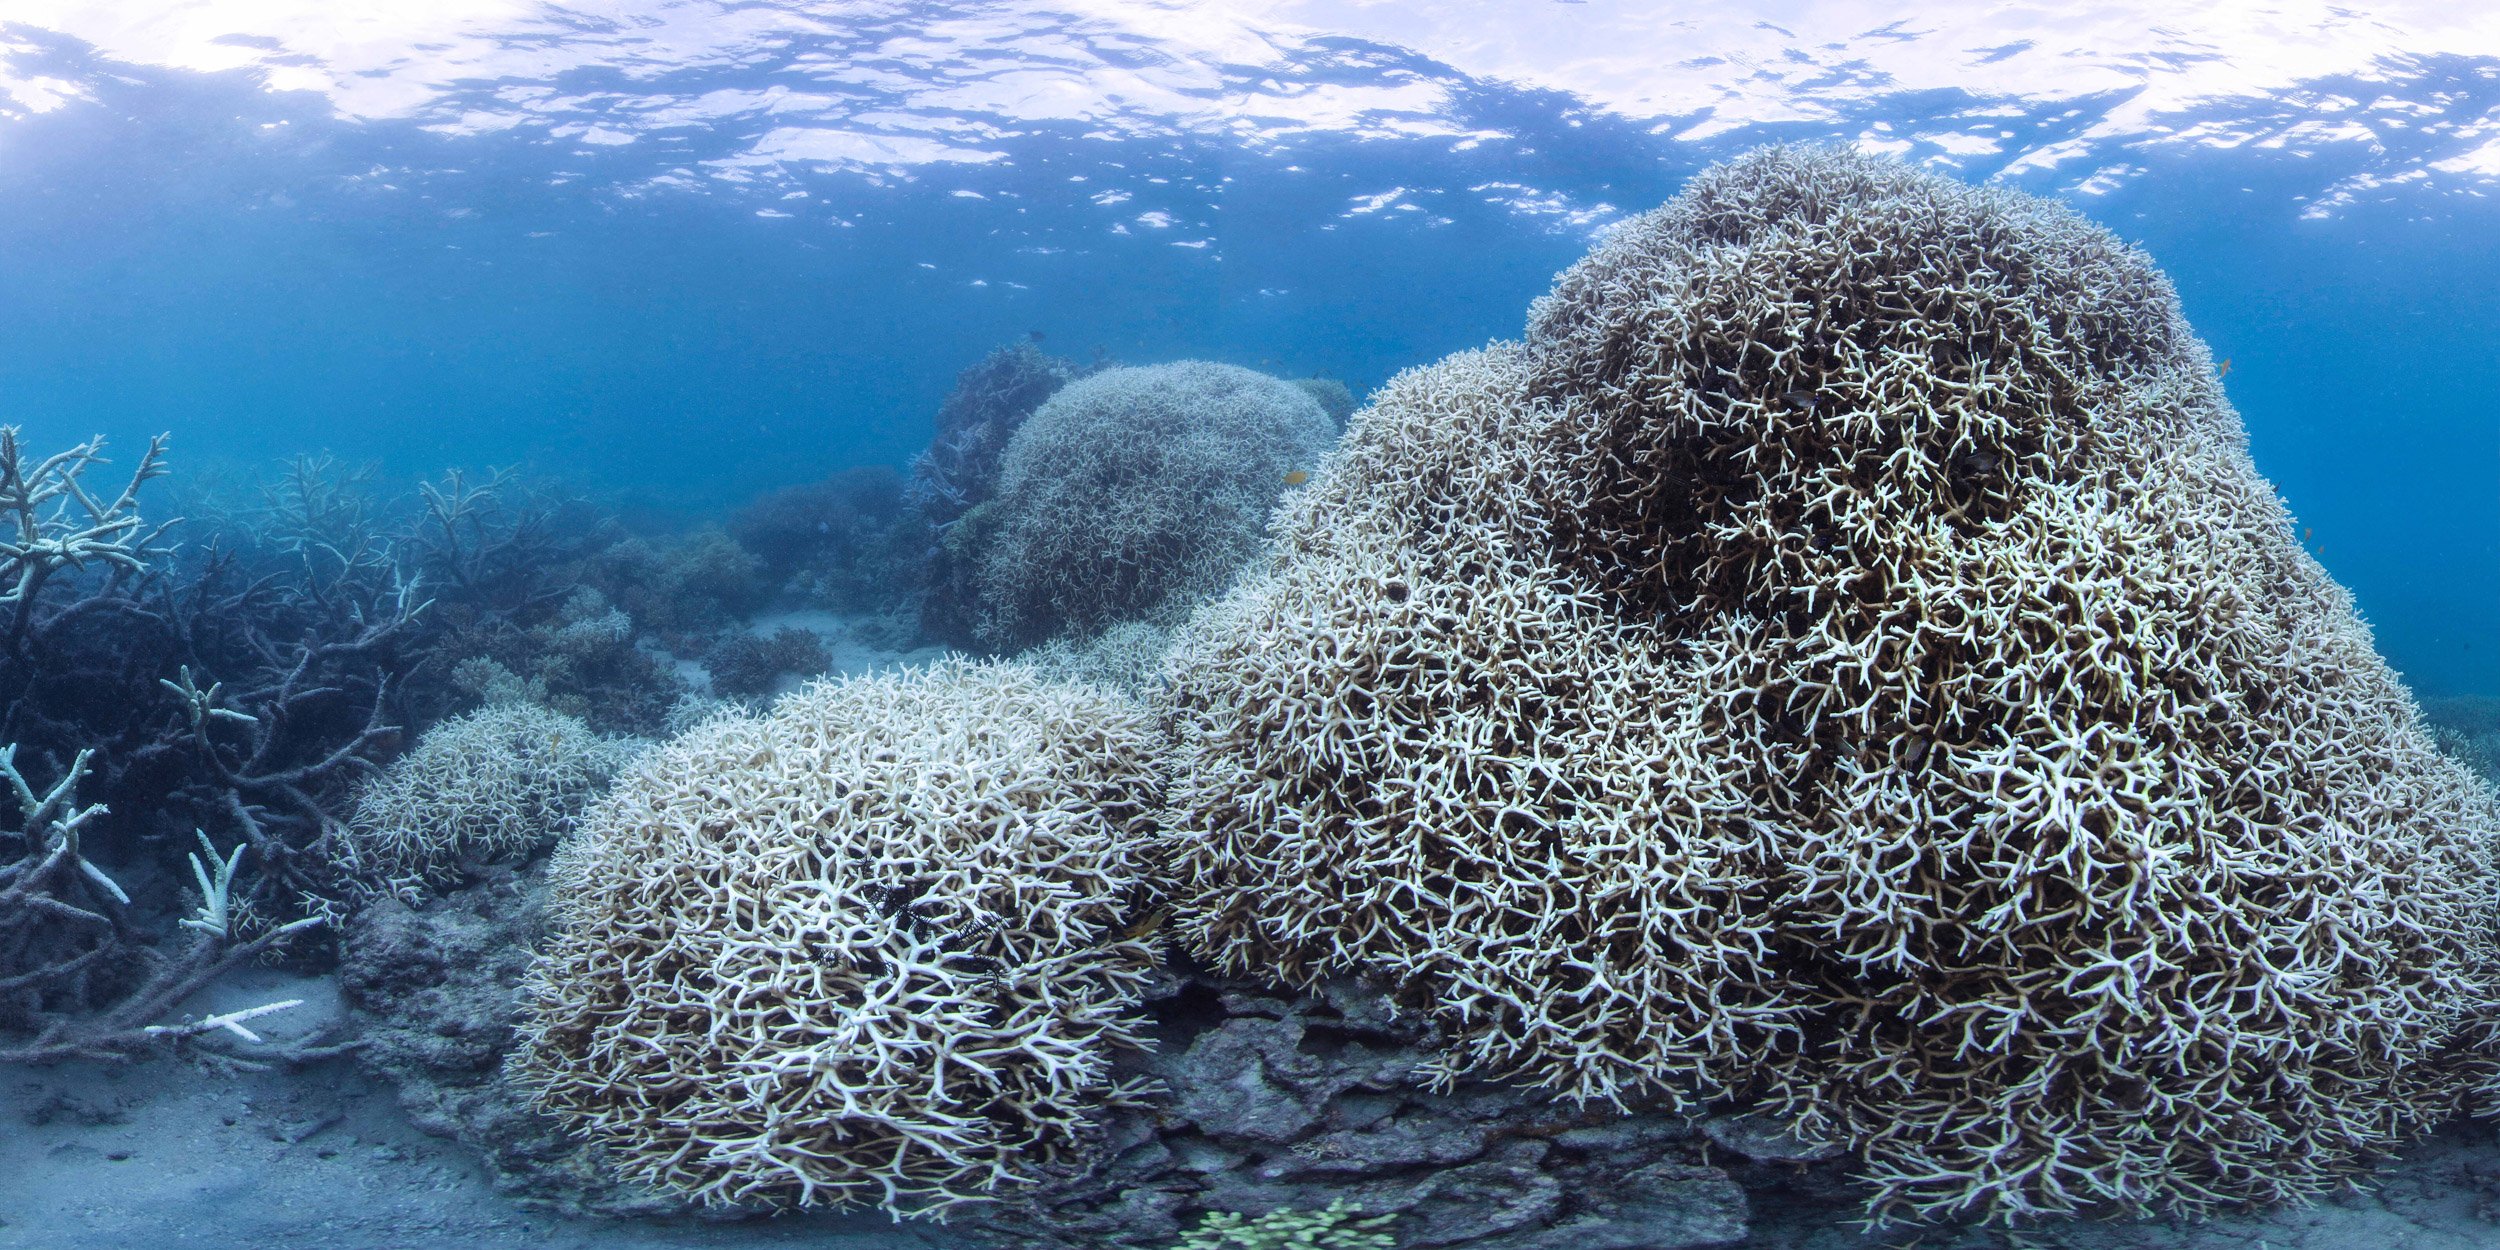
704	251
678	254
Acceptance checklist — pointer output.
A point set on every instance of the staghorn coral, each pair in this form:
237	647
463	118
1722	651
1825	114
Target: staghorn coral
1136	492
498	784
865	948
1846	662
1127	657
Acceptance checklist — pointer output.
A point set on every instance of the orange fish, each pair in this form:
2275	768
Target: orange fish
2307	532
1297	477
2224	370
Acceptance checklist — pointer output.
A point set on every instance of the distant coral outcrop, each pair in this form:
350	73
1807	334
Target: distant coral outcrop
958	472
1135	493
1845	663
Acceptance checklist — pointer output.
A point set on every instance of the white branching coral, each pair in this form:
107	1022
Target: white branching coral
866	948
1846	660
1135	493
50	522
500	783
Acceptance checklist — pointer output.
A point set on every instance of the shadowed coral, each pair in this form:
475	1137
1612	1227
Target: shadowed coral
688	586
745	665
991	401
868	947
958	472
499	784
1846	662
844	542
1136	492
1334	397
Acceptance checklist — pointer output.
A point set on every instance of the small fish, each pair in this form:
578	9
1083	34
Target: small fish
1034	335
1297	477
2307	532
1148	926
2223	370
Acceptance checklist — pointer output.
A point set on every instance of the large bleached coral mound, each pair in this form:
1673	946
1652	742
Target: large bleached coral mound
866	948
1845	660
1135	493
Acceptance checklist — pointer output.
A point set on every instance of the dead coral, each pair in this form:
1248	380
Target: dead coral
1847	660
868	948
75	983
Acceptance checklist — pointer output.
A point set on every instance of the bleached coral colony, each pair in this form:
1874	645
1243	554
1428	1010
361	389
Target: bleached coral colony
865	948
1846	659
500	783
1135	493
1842	662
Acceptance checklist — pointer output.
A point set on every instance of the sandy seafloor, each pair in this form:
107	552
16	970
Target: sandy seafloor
176	1153
167	1154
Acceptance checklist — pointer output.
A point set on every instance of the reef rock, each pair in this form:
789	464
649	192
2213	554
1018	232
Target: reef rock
436	990
1300	1100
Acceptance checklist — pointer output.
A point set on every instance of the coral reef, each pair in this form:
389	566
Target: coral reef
1844	663
684	588
958	472
586	660
747	665
497	785
868	947
236	686
89	619
1136	492
844	543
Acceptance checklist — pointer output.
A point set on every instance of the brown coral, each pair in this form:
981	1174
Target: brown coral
1846	659
865	948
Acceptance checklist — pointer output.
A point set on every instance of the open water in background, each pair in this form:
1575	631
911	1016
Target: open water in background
689	250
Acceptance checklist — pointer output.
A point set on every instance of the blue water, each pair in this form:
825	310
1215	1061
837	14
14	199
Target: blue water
687	252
